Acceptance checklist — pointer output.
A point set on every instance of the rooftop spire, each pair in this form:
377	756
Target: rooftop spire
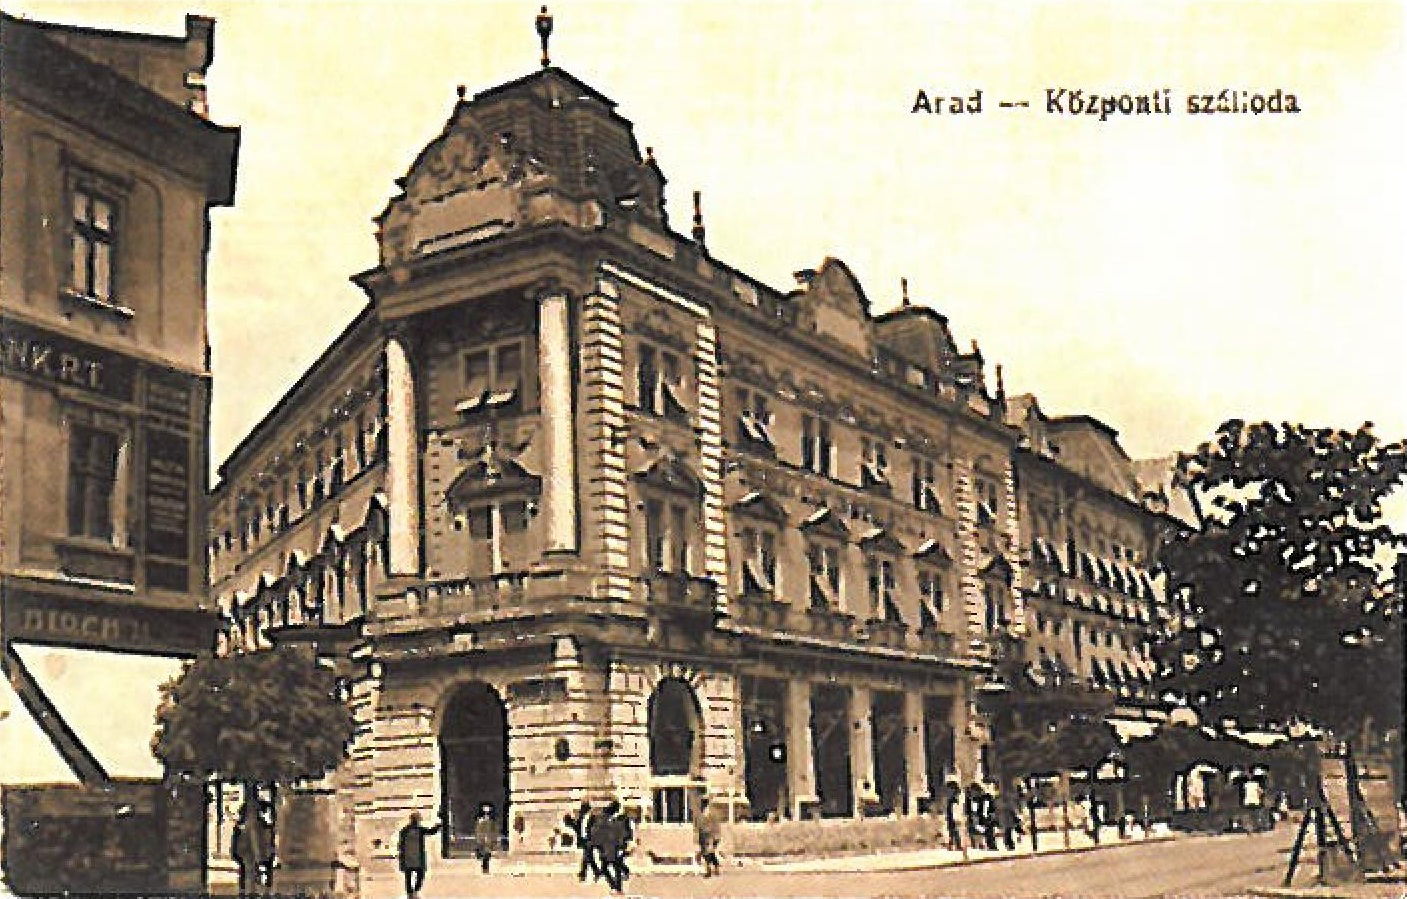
904	287
544	31
698	219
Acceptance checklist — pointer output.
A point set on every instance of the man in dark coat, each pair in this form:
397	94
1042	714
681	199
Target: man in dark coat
952	813
580	825
708	829
610	836
252	845
410	849
486	835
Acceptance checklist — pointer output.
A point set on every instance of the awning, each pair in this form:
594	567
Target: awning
27	756
109	700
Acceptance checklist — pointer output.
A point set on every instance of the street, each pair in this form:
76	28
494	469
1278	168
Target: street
1230	865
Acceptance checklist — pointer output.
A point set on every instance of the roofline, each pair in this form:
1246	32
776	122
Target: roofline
256	433
1085	419
144	36
506	86
919	310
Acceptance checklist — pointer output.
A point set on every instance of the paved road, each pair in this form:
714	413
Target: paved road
1192	866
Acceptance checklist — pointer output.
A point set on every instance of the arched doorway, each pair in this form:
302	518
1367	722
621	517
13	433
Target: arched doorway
676	749
473	762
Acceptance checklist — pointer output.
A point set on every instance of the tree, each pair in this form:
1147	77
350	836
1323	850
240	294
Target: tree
261	719
1281	616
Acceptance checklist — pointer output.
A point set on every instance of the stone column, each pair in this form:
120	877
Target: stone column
915	751
862	775
554	359
402	460
801	774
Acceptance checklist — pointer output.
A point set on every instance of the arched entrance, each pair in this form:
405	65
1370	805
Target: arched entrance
473	762
676	749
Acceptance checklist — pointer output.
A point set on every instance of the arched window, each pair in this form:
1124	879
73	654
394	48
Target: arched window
676	748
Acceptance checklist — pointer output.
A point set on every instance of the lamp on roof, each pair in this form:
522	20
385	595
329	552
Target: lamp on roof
544	31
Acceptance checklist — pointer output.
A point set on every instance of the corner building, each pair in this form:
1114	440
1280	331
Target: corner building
584	513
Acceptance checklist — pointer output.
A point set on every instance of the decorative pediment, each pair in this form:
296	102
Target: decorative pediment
824	523
488	476
932	552
673	474
833	305
880	540
761	505
998	569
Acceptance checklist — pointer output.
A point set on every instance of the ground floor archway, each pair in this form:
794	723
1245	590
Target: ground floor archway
473	763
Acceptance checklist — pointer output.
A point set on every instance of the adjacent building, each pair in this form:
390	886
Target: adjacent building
582	512
108	170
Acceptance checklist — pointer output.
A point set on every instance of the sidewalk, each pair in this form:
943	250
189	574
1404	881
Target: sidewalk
891	860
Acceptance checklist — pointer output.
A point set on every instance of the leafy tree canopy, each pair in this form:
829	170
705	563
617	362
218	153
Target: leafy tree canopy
1280	613
261	717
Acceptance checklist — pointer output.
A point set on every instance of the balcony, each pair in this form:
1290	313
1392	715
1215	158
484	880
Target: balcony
936	642
829	623
886	632
762	610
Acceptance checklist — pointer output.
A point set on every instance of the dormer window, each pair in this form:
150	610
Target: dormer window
823	563
817	446
874	465
925	485
755	422
659	384
493	378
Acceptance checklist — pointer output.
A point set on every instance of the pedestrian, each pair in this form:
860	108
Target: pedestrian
1008	817
610	837
952	815
242	850
410	850
580	826
973	812
708	831
486	836
252	845
989	818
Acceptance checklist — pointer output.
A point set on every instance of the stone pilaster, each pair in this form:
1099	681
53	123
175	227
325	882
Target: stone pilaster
403	460
862	776
801	768
968	552
559	486
710	434
607	503
1016	547
915	752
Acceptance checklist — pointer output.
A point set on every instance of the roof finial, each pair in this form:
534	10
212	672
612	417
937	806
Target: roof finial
544	31
1001	385
904	286
698	220
460	91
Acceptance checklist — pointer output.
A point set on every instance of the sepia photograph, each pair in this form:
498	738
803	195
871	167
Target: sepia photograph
673	448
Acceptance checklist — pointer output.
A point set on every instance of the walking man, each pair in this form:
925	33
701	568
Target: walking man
580	825
410	849
485	836
952	814
708	830
610	835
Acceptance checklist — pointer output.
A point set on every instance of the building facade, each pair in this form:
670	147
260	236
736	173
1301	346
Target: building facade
109	170
582	512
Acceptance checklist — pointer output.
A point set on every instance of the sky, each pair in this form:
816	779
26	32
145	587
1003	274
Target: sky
1162	273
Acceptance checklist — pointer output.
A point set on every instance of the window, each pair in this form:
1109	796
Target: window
92	480
817	446
823	560
874	467
931	599
492	378
883	591
93	241
995	615
759	561
1077	635
666	536
755	421
987	500
493	529
659	384
925	485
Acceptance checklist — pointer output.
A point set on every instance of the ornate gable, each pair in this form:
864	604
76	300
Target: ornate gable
761	505
824	523
672	474
833	305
